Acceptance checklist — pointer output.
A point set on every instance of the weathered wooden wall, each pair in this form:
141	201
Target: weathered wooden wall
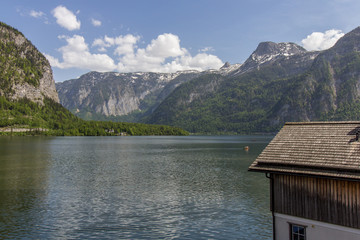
328	200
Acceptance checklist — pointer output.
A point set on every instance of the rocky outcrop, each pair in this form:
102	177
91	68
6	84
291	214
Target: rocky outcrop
24	71
282	53
46	88
278	83
330	89
118	94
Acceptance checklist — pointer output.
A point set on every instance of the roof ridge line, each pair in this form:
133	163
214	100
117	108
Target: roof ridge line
322	122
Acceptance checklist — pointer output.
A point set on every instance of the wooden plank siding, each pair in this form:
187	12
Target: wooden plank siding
322	199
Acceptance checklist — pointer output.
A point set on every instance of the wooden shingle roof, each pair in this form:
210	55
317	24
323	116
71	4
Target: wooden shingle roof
328	149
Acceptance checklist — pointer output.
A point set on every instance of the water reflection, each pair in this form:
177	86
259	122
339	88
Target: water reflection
133	188
24	164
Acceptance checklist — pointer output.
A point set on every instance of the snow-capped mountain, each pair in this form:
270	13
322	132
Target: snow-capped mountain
268	52
118	94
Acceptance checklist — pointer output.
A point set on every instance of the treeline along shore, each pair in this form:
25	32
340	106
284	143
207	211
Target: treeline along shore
25	117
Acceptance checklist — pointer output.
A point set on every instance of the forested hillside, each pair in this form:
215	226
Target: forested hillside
24	117
29	101
274	89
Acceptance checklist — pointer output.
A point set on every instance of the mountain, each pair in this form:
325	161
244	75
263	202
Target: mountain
239	101
29	103
24	71
134	96
269	52
330	89
118	94
278	83
123	96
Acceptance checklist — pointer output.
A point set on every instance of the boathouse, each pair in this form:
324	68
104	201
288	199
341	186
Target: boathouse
314	172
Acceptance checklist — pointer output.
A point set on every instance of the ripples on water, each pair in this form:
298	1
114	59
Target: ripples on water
132	188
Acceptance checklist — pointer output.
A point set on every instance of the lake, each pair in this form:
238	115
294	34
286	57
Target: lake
194	187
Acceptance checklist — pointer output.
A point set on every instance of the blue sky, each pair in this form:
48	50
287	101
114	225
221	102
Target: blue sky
79	36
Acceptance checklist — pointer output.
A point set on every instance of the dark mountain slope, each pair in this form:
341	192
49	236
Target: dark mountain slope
239	103
271	88
330	90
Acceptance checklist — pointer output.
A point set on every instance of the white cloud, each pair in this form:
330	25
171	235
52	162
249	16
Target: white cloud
207	49
124	44
99	42
95	23
65	18
165	45
76	54
203	60
54	62
36	14
163	54
320	41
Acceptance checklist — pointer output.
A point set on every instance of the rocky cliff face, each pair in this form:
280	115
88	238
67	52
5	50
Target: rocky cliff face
24	71
46	88
330	89
282	53
278	83
118	94
267	51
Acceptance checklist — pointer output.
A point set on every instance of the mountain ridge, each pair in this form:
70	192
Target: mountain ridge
117	94
279	82
24	71
29	101
305	86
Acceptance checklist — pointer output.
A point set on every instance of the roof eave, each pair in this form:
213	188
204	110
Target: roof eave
342	175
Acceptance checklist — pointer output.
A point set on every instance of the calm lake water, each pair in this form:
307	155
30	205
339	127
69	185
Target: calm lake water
132	188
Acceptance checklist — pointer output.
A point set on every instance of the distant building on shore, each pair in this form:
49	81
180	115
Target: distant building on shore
314	172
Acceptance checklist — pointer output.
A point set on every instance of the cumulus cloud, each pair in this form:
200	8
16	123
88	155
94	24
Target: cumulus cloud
76	54
36	14
95	23
318	41
65	18
124	44
165	45
163	54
